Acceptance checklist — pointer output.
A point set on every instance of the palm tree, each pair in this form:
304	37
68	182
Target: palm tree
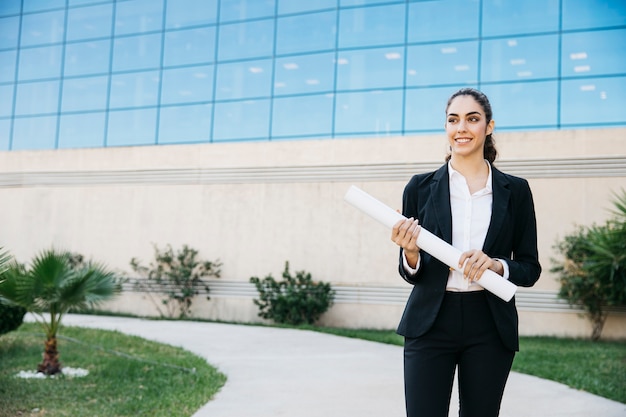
52	286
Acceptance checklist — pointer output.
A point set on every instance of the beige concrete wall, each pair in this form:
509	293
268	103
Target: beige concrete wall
256	205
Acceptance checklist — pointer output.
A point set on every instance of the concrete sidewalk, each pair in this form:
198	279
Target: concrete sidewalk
283	372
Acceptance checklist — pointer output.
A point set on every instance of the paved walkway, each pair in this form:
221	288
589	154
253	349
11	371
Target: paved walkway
283	372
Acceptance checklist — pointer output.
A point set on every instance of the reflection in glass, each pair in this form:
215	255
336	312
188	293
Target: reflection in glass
593	14
187	85
189	46
40	63
244	80
306	33
136	89
6	104
378	112
425	19
9	29
41	5
7	66
138	16
37	98
304	74
84	130
84	58
231	10
87	93
370	68
132	127
137	52
293	6
524	105
34	133
593	53
185	124
246	40
42	28
89	22
521	58
185	13
371	26
519	17
241	120
303	116
442	63
10	7
593	101
5	134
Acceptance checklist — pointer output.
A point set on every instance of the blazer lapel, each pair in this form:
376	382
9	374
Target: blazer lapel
501	195
440	191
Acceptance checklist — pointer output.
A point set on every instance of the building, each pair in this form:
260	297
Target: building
236	127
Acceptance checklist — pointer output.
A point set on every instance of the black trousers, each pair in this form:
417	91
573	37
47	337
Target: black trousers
463	336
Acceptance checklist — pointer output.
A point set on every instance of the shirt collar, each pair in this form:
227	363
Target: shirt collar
453	172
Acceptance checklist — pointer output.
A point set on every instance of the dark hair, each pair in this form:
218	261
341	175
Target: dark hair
490	151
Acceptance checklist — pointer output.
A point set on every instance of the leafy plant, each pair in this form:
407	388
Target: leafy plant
11	316
50	287
294	300
179	275
593	271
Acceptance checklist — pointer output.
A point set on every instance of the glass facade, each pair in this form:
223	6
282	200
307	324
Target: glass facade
97	73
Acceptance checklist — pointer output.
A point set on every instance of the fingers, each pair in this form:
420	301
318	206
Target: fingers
474	263
405	232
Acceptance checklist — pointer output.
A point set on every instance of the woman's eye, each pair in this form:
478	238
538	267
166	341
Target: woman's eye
451	120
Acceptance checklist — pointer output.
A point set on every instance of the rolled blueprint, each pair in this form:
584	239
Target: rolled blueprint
430	243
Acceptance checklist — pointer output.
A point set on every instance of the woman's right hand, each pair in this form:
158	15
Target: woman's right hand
404	234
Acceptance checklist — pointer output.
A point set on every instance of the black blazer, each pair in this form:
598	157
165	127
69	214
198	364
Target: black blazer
512	236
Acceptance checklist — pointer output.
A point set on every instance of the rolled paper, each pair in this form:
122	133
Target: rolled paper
430	243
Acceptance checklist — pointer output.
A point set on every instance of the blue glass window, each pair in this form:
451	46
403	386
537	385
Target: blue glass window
370	68
244	80
9	29
374	112
187	85
41	5
303	116
138	16
5	134
425	23
10	7
442	63
515	59
519	17
425	108
84	58
42	28
593	101
241	120
6	104
185	124
524	105
137	52
83	2
305	33
231	10
185	13
132	127
7	66
593	14
344	3
190	46
246	40
593	53
89	22
37	98
297	6
87	93
39	63
371	26
84	130
304	74
34	133
136	89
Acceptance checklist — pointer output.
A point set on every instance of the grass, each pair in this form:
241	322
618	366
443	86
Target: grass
595	367
146	379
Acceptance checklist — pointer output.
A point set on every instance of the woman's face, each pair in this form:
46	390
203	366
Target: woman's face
467	127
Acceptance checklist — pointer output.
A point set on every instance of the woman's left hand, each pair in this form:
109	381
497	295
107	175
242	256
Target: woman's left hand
475	262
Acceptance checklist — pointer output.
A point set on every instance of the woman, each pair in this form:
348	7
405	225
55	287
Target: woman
450	321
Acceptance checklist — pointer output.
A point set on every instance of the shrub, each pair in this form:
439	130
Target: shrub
11	317
294	300
593	272
177	275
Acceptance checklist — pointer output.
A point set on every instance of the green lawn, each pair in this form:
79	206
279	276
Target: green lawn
128	376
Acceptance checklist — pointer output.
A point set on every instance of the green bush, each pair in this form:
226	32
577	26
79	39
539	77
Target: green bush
294	300
593	271
11	317
179	275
